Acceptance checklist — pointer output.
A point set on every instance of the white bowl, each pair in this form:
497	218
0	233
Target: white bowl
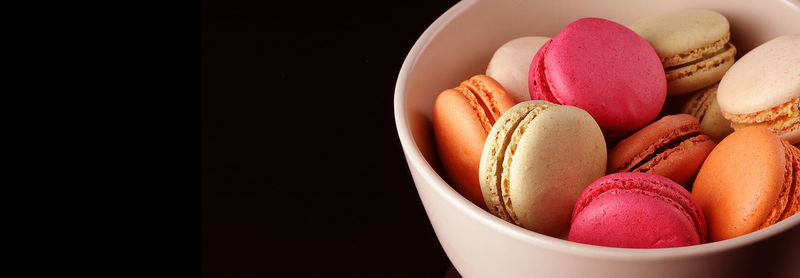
460	43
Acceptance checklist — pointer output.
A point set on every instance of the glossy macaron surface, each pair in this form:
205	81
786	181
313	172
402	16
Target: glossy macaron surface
637	210
747	182
462	117
604	68
537	159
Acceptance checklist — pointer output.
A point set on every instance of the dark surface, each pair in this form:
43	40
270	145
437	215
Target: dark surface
302	170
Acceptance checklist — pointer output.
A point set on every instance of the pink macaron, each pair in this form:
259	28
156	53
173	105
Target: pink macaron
637	210
604	68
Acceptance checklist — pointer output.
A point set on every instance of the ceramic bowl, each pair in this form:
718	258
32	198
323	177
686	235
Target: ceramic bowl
460	43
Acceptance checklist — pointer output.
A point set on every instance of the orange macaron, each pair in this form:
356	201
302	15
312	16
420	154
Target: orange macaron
462	118
748	182
674	147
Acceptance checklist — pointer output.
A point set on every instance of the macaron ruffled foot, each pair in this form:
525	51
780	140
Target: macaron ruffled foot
462	117
750	181
537	159
693	45
763	89
674	147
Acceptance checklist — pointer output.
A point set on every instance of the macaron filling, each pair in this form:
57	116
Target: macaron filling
485	97
778	120
704	63
494	179
482	102
707	98
663	152
679	138
698	104
695	55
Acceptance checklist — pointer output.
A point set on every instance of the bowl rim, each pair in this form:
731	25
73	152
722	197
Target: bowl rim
432	179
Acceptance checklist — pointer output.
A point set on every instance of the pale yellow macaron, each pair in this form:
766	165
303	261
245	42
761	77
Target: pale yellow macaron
537	159
693	46
703	105
763	89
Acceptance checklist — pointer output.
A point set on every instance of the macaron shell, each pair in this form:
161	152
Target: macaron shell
459	126
740	182
787	204
491	163
651	136
782	120
561	152
510	64
700	75
673	147
632	89
793	204
611	220
792	136
704	106
681	31
713	123
538	87
765	77
492	95
459	136
637	210
682	163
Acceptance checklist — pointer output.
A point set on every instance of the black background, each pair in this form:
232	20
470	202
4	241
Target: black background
302	170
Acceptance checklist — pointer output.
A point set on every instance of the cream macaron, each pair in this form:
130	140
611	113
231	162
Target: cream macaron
537	159
763	89
704	106
510	63
693	46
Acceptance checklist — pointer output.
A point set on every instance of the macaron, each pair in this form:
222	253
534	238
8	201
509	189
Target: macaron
462	118
693	45
674	147
637	210
604	68
704	106
510	63
763	88
748	182
537	159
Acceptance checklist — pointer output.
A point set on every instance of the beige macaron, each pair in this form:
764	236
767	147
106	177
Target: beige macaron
703	105
763	89
510	64
537	159
693	46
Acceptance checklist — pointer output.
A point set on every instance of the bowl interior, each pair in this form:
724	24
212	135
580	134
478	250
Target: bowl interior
461	42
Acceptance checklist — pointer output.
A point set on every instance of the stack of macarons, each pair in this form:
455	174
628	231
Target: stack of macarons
570	137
